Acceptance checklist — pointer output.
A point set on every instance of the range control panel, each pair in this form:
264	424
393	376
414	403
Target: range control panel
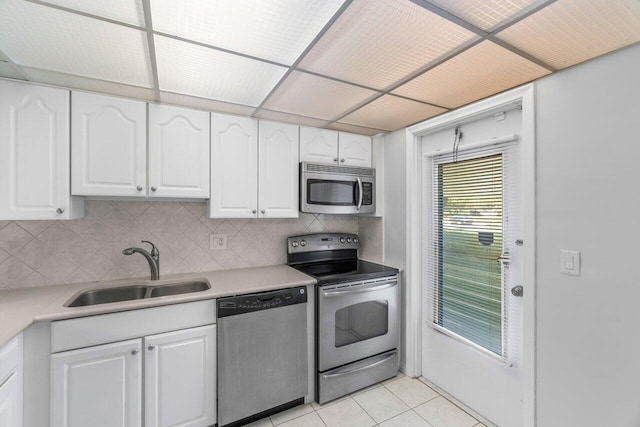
263	301
321	242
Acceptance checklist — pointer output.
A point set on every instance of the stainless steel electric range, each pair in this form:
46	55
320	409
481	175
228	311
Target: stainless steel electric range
357	313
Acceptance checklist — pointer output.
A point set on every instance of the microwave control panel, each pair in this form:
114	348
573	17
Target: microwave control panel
367	193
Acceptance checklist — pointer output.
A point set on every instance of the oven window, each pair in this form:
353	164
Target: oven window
360	322
325	192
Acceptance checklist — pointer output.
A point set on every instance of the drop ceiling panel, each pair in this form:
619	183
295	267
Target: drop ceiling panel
345	127
376	43
289	118
487	14
128	11
483	70
209	73
205	104
312	96
568	32
46	38
391	112
275	30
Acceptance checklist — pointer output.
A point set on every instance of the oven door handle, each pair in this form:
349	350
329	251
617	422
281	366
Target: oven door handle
336	293
360	368
359	193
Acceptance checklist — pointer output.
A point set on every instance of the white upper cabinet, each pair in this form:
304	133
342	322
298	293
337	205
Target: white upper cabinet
318	145
178	152
354	150
278	170
34	153
234	167
251	176
338	148
108	141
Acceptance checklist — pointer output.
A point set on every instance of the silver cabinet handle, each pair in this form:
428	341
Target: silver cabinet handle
263	211
254	211
151	347
342	160
335	159
60	210
139	188
153	188
134	351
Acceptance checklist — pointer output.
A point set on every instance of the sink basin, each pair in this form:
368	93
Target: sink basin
134	292
105	295
179	288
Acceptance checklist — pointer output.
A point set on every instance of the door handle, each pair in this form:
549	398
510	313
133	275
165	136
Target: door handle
517	291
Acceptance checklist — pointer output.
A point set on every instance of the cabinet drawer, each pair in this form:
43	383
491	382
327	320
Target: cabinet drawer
10	358
105	328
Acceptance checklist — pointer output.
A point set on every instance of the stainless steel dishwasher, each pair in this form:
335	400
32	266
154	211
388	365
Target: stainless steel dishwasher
262	354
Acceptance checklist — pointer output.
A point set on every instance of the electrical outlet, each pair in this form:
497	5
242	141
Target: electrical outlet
218	241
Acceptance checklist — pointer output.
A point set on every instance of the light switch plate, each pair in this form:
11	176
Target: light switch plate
570	262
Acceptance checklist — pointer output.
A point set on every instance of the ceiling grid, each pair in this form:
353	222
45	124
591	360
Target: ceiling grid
355	65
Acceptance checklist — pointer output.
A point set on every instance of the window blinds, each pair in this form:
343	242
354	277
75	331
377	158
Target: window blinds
474	226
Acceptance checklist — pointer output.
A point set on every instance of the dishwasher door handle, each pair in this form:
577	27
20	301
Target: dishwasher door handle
359	368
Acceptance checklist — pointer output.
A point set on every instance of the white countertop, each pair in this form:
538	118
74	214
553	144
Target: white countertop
19	308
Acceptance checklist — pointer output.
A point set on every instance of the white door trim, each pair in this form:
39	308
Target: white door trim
524	96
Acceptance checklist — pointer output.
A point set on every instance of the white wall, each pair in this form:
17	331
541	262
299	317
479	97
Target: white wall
395	221
588	199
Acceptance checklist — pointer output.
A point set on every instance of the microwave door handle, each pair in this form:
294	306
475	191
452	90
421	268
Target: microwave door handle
359	193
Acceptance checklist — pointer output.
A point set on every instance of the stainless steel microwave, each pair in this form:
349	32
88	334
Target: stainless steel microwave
330	189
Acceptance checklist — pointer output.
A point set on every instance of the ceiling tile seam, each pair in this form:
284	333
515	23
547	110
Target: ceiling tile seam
204	99
17	68
218	48
87	15
146	8
304	53
292	114
521	53
521	17
450	17
68	87
356	108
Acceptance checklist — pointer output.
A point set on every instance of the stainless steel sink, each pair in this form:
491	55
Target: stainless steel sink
105	295
178	288
134	292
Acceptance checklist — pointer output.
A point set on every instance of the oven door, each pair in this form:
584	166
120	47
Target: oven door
357	320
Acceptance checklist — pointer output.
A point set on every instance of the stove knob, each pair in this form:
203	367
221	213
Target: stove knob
303	243
348	239
342	240
294	243
355	240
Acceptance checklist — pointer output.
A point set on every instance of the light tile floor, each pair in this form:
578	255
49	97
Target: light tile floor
398	402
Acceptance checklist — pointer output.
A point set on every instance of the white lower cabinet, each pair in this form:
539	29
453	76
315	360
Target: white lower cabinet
11	383
153	367
98	386
180	378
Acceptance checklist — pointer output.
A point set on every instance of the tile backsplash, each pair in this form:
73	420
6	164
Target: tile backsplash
41	253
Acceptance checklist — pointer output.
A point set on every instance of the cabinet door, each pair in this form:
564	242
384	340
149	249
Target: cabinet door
108	146
355	150
11	383
278	170
178	152
318	145
97	386
180	379
34	153
234	167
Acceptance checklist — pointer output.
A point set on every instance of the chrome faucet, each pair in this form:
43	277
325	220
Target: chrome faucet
153	258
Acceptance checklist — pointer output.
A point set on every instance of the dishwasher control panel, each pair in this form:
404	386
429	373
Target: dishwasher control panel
241	304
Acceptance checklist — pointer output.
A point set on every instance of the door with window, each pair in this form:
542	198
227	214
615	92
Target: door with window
472	310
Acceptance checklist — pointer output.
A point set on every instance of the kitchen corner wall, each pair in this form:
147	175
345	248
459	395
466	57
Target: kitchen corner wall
41	253
371	239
